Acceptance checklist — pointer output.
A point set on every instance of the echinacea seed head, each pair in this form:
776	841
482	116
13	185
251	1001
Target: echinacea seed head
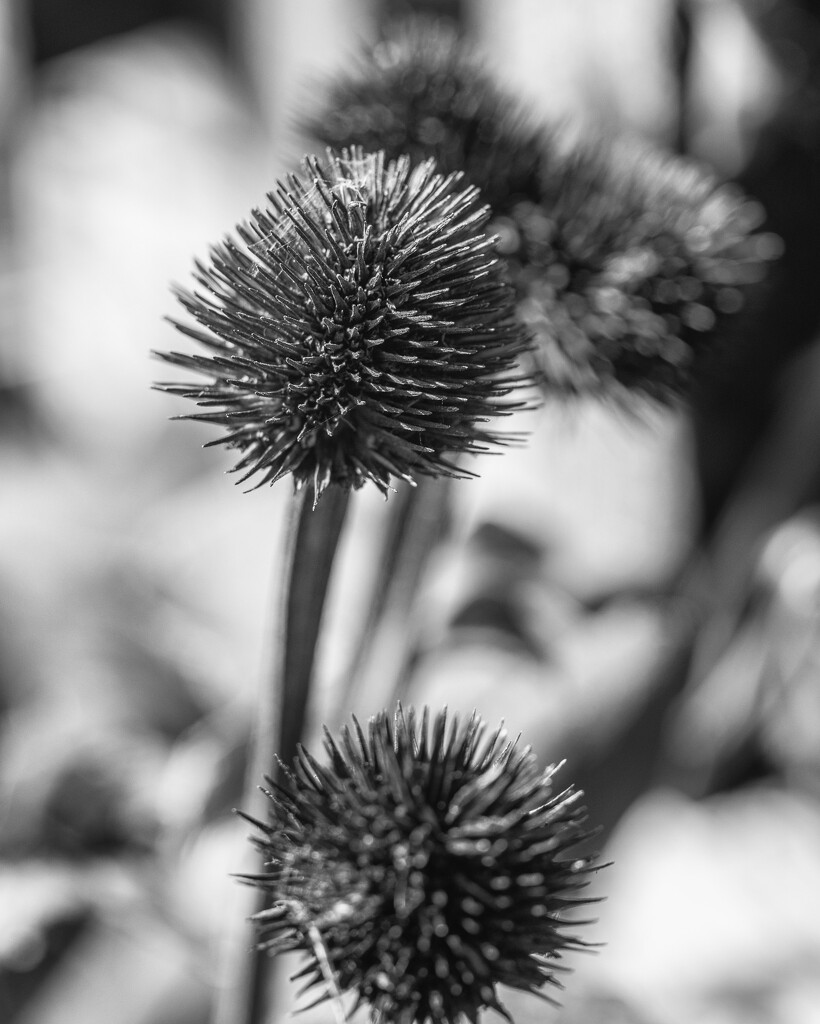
380	854
425	91
628	268
357	329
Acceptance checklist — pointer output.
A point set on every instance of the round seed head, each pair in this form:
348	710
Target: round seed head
425	92
357	329
422	866
628	268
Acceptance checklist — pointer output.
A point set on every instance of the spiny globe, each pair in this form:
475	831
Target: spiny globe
424	91
629	267
629	262
358	329
421	867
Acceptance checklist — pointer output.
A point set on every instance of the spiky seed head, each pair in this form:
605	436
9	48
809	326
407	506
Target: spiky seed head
422	866
628	262
424	91
357	329
628	267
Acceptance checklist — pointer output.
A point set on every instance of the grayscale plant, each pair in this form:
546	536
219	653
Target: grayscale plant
422	866
358	330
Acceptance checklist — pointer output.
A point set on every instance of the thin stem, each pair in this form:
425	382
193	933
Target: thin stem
310	542
682	56
380	658
317	538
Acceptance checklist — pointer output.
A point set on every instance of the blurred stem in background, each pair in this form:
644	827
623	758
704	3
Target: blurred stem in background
682	51
417	522
14	80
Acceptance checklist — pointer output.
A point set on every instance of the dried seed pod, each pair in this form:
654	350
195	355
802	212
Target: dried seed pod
425	92
358	330
422	866
628	267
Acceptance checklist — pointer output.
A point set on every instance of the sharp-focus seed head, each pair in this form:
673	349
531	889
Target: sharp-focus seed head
358	328
425	92
421	866
628	267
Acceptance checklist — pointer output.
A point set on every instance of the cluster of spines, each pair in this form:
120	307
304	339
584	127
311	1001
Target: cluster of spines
628	268
423	91
360	330
432	864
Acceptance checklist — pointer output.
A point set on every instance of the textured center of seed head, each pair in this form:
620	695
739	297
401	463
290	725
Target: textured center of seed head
346	335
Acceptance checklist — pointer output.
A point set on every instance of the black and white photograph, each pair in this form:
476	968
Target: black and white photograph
409	511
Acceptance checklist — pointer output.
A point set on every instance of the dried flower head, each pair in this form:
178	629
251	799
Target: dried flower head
628	267
422	867
425	92
360	329
627	261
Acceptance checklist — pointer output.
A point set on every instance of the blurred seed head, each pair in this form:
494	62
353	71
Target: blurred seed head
358	328
422	866
629	266
425	92
628	262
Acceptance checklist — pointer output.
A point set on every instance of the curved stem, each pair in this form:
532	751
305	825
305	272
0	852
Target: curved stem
310	542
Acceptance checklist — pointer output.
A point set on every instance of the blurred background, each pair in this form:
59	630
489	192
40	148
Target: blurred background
638	594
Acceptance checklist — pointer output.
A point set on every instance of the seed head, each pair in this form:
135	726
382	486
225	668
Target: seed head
628	267
420	868
358	329
425	92
628	262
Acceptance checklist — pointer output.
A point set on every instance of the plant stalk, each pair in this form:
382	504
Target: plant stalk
381	657
309	546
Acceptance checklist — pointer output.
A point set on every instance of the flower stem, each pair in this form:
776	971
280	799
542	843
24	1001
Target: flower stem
317	535
417	521
310	542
